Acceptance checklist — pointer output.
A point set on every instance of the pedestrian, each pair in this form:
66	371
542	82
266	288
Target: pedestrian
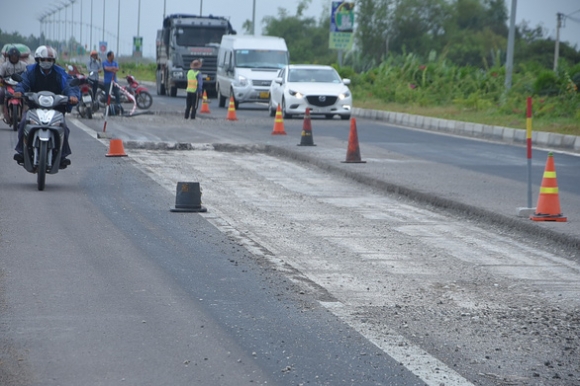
94	69
111	68
194	87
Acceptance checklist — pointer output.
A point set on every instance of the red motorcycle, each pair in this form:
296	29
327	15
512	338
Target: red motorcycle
86	106
142	97
13	107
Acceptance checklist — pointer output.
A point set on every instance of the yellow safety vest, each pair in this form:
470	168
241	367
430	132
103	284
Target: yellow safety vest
192	81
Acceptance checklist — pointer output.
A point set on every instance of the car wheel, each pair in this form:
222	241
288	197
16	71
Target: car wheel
221	98
236	103
271	109
285	115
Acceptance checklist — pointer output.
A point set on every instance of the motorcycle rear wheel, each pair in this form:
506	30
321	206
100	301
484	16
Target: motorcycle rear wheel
144	100
41	171
15	115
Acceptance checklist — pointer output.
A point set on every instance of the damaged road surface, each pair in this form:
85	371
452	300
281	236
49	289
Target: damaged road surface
453	300
297	274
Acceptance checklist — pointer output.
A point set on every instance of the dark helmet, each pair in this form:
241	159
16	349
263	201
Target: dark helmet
13	55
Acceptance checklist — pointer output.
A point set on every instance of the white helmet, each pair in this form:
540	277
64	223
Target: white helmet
45	56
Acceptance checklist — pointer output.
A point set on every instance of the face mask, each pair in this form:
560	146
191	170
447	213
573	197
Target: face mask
46	65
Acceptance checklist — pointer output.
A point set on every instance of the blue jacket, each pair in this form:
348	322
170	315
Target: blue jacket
63	79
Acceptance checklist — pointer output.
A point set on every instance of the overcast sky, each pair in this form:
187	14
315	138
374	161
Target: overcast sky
536	12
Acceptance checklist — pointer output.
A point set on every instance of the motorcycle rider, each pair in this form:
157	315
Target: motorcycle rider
44	75
94	69
11	66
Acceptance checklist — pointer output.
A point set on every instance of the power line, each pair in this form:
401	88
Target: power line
572	13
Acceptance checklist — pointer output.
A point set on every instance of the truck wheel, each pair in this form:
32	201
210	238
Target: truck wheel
160	85
173	91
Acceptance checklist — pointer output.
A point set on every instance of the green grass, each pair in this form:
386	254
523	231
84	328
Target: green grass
490	116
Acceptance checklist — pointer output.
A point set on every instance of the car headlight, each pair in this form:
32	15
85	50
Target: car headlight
343	95
242	81
178	74
296	94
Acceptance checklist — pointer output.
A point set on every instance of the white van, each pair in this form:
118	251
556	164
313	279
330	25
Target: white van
247	65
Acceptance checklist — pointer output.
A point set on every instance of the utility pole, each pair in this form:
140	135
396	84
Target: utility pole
559	18
510	48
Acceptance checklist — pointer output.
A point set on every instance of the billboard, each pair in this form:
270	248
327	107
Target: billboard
341	25
138	46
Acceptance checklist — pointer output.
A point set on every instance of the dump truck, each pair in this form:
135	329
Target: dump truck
182	39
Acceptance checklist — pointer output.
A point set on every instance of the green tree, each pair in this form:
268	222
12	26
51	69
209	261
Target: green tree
373	30
419	26
306	38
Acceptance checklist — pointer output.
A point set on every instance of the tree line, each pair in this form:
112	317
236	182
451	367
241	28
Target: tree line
464	32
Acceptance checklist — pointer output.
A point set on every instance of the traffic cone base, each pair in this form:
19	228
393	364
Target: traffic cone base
232	110
353	151
278	123
548	208
188	198
116	148
204	104
306	138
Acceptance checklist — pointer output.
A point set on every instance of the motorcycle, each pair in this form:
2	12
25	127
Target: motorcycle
86	106
13	107
43	133
142	97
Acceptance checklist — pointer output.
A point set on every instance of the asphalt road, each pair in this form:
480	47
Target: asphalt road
100	282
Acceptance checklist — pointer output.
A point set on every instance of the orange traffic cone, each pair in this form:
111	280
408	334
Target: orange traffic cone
232	110
548	208
353	151
278	123
306	139
204	104
116	148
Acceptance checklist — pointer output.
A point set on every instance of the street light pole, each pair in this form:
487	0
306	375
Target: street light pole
254	18
118	23
103	20
91	30
200	7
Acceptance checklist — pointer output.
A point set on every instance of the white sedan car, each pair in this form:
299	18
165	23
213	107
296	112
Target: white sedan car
317	87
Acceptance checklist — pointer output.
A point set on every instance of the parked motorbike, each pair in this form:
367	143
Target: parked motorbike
43	133
86	105
142	97
13	107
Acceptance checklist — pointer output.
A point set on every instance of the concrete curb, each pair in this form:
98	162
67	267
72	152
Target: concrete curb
476	130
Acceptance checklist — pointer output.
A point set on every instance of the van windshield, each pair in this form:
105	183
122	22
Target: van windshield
261	59
198	37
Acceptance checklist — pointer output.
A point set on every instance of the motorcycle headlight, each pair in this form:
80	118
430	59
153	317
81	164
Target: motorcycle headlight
45	100
296	94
